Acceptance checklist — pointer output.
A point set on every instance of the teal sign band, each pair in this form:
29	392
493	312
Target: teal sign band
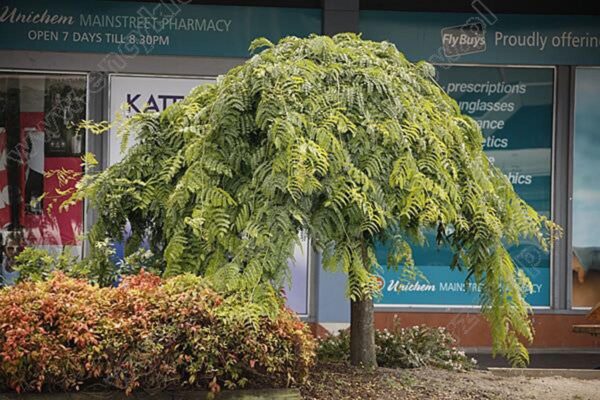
485	37
161	28
514	108
448	288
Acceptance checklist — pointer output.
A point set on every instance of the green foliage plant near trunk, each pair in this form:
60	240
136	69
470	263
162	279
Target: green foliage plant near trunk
340	137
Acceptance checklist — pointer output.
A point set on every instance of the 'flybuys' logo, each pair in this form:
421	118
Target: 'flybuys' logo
463	39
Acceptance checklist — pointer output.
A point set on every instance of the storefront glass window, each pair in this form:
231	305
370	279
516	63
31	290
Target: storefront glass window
514	108
40	162
586	189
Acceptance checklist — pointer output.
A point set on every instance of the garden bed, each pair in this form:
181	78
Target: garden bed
340	381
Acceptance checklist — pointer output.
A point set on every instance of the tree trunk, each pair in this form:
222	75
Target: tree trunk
362	334
362	327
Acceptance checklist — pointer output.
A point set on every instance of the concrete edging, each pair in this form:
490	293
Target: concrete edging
272	394
545	372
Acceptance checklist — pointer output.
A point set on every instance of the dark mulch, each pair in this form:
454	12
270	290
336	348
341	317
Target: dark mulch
341	381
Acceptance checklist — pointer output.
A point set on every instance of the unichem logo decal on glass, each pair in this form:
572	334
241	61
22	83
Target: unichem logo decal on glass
463	39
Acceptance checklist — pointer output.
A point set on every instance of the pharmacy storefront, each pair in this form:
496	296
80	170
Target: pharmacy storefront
530	81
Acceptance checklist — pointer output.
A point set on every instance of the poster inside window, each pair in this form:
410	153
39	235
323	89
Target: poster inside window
40	163
586	189
514	109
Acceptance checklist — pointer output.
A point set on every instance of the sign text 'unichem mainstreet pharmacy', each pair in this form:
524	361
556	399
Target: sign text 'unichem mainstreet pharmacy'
514	108
486	37
143	28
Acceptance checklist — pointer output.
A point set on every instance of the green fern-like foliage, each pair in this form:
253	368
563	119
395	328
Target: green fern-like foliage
340	137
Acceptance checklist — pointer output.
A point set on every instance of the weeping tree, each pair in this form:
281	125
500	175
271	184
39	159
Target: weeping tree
338	137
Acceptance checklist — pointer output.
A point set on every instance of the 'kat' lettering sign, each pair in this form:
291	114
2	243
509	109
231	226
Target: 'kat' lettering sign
131	94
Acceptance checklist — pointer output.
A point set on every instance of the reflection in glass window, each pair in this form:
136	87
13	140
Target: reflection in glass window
514	108
586	189
40	150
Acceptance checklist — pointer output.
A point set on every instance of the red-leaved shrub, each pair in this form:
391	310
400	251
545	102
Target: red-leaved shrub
65	334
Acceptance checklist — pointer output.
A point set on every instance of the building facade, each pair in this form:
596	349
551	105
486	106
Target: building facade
528	74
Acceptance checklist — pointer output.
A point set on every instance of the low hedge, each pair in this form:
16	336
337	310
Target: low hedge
64	334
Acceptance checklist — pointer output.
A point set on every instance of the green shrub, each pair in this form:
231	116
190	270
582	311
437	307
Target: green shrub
412	347
100	267
65	334
34	264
